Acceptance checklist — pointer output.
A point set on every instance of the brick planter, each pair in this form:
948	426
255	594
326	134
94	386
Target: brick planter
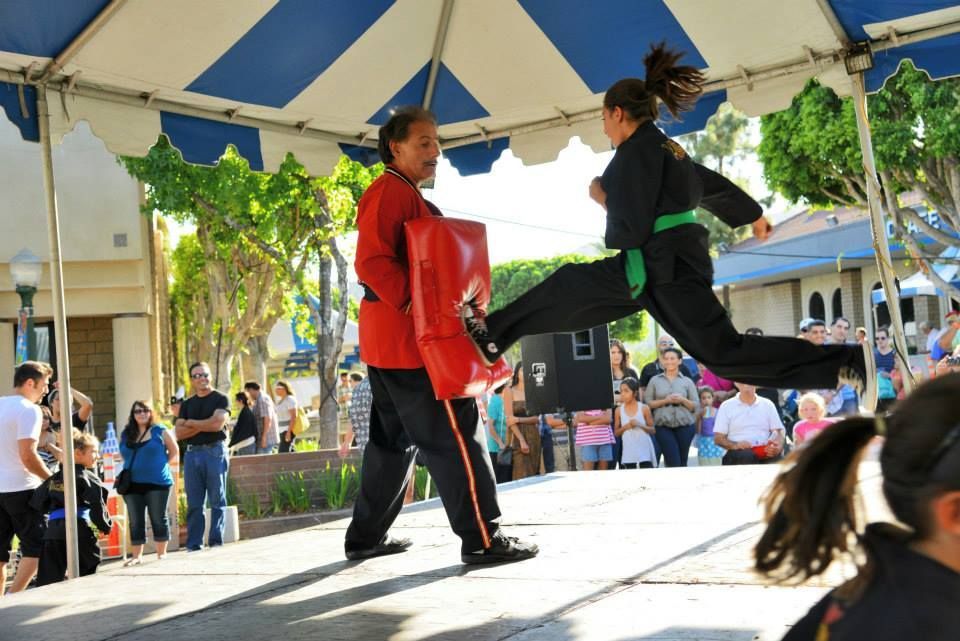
256	528
256	474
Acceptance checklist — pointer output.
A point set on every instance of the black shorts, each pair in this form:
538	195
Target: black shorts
17	517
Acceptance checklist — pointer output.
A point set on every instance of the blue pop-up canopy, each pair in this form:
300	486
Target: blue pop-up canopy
318	78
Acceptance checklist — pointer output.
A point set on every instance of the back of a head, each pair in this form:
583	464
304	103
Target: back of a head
31	371
810	506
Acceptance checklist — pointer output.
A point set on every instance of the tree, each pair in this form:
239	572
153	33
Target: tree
511	279
720	142
811	153
264	234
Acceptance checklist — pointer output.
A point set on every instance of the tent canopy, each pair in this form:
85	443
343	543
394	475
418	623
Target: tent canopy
318	78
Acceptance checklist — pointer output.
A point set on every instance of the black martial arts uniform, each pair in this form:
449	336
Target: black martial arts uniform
651	178
405	414
91	506
910	596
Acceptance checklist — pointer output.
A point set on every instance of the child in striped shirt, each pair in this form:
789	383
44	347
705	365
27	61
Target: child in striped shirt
595	438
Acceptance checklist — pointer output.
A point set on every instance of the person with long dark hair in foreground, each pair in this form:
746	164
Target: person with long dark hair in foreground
908	587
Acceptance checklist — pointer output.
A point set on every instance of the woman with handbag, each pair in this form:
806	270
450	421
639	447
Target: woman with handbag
501	454
286	414
147	449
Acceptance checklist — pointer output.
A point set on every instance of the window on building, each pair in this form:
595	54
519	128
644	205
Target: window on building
816	308
836	304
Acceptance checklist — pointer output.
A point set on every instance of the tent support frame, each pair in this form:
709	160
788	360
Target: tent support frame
60	329
881	246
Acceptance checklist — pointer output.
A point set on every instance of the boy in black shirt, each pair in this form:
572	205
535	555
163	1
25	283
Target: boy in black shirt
91	507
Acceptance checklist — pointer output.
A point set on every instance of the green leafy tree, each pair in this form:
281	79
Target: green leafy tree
811	153
263	236
511	279
716	146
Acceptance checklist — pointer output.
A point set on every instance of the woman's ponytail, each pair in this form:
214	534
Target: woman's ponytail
810	506
678	87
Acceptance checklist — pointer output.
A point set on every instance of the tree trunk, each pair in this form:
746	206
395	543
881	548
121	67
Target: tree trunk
258	355
327	361
222	367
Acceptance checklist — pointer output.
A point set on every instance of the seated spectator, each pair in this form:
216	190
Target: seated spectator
674	400
655	367
948	338
908	575
929	335
813	418
948	364
633	422
707	451
594	438
748	427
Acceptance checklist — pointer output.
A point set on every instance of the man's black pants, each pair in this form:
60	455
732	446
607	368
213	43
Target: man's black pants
679	295
406	416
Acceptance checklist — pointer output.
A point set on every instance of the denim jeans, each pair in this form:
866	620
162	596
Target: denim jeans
546	447
247	451
154	503
675	444
205	478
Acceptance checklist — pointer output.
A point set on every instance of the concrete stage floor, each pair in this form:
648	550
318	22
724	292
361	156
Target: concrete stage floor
638	554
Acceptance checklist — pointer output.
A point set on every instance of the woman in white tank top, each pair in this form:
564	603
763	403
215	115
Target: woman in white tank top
634	424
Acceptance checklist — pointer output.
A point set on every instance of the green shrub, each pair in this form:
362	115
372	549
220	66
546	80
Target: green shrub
306	445
233	492
420	477
181	509
290	493
250	506
339	487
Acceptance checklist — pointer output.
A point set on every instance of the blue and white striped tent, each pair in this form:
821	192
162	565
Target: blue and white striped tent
317	78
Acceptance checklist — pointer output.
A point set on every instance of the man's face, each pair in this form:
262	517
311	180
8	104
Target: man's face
35	390
817	334
664	342
747	390
200	378
253	393
883	340
840	330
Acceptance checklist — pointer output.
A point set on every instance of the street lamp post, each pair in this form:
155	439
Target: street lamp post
25	270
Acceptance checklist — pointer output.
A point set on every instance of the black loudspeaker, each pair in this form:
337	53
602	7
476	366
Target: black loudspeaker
568	372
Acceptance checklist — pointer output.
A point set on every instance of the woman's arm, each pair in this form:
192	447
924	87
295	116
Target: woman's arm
85	403
603	419
493	433
648	419
173	450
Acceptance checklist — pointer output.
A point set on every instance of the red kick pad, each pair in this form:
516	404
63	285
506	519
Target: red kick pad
449	267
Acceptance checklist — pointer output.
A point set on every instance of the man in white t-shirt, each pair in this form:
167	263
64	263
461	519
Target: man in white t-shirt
21	471
749	428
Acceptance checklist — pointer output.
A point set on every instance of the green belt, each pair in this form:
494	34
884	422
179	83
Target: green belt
634	267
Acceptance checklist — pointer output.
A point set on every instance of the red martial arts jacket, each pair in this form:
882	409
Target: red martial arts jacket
387	337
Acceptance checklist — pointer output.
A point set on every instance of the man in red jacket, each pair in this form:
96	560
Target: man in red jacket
406	416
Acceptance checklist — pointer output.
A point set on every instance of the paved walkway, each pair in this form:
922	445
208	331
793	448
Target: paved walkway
646	554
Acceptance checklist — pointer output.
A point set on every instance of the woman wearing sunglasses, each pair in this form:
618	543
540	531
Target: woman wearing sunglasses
147	449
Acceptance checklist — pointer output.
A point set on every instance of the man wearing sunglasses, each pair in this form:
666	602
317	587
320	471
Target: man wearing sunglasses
200	426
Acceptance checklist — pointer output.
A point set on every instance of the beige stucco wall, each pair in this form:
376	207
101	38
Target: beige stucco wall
131	336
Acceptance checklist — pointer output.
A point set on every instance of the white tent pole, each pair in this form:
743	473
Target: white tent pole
881	246
60	332
445	13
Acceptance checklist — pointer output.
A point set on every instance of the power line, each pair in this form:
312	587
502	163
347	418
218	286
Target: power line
519	224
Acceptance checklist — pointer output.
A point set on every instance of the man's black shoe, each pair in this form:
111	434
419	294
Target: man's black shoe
505	549
389	545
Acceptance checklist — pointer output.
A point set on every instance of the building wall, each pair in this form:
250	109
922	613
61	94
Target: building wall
91	366
775	308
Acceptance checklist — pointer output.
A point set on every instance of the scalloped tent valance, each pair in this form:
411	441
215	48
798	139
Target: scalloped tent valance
316	79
